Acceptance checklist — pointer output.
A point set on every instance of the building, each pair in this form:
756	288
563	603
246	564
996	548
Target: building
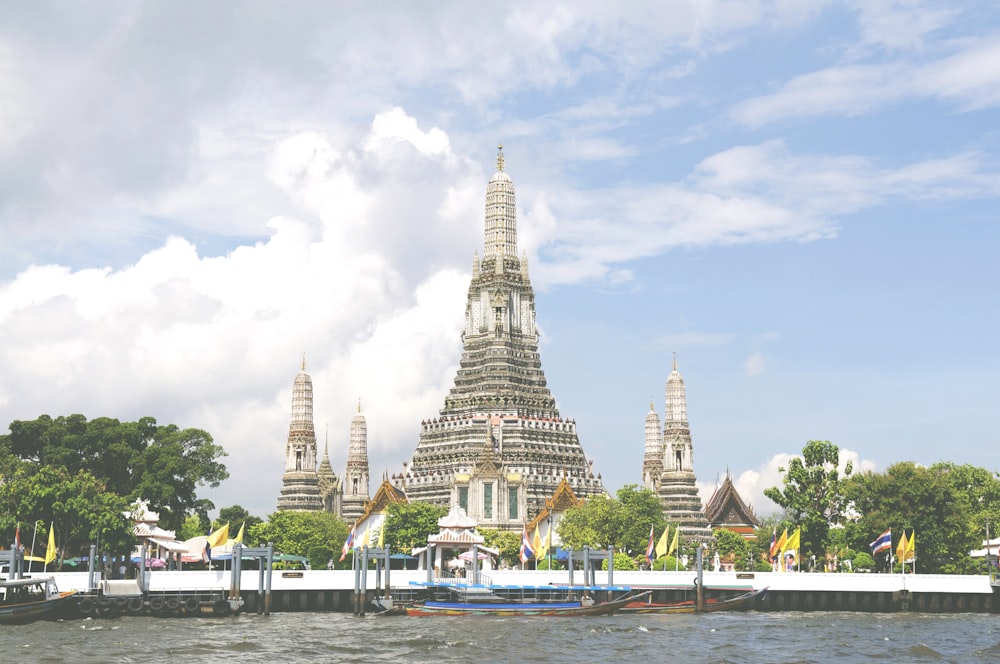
668	463
499	447
300	482
726	509
306	487
354	492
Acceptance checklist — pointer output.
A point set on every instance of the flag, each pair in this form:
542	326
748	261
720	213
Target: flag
348	543
536	541
901	548
527	553
543	549
911	547
366	540
219	537
650	546
780	546
17	537
661	546
793	542
381	534
673	544
882	543
50	551
773	551
239	535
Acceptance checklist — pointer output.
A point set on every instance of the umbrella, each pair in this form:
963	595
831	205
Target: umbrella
467	555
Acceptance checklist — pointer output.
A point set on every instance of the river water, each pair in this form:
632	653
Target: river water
337	637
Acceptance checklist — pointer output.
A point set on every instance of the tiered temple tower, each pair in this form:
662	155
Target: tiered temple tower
499	447
329	486
300	483
652	460
676	486
355	484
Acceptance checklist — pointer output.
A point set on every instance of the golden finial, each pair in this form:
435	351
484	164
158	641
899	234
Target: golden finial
675	360
359	405
303	361
500	156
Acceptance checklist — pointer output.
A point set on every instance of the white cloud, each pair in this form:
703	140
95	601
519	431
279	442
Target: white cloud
755	364
969	78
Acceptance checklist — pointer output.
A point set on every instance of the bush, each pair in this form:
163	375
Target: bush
668	563
863	561
622	562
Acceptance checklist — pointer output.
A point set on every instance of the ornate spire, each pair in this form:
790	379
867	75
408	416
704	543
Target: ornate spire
652	460
675	414
501	216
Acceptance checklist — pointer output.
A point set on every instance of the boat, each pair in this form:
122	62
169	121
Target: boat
498	606
738	602
25	600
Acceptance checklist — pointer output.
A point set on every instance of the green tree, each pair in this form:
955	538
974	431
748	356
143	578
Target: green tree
407	525
623	561
193	526
76	505
813	496
622	522
505	541
135	460
299	533
945	505
236	516
732	546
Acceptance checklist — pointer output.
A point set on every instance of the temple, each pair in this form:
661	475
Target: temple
499	448
726	509
300	483
668	463
306	487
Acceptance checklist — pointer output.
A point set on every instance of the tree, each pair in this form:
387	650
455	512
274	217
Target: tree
135	460
507	542
76	504
407	525
813	497
235	516
301	533
622	522
945	505
732	546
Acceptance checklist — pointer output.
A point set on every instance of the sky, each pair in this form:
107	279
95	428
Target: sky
797	198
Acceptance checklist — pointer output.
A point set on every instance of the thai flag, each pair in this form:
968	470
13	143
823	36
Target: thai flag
17	537
527	553
773	551
348	543
882	542
649	547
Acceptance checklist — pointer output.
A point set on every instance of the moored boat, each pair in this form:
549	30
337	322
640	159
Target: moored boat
585	606
739	602
25	600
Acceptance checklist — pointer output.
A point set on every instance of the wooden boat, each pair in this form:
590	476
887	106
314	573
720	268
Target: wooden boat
740	602
499	607
25	600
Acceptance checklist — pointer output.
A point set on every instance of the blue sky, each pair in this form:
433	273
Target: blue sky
798	198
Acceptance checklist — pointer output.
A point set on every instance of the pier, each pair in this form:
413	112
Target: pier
326	590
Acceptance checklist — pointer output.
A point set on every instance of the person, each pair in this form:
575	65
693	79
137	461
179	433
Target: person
121	570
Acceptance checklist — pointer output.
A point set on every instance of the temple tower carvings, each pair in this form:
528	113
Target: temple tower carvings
675	485
355	483
300	483
499	447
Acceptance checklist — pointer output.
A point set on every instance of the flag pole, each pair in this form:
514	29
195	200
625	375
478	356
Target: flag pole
34	534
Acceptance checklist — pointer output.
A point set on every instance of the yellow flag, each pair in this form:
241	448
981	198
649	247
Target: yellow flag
673	544
381	534
219	537
366	538
661	545
792	543
901	548
543	549
536	543
239	535
50	551
911	552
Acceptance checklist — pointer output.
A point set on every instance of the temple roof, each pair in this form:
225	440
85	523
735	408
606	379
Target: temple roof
562	499
725	508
